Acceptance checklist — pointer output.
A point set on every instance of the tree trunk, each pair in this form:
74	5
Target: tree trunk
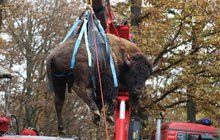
28	107
191	105
1	9
100	11
191	110
135	12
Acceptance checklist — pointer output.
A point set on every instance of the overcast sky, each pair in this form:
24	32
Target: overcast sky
115	1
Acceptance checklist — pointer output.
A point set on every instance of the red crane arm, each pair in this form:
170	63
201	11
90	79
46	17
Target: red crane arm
103	12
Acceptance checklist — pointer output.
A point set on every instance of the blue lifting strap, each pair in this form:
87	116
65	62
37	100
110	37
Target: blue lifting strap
108	52
87	48
63	74
78	41
73	28
84	31
71	31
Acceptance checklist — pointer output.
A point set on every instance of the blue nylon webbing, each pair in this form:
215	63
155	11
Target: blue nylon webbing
63	74
87	48
70	33
110	56
78	41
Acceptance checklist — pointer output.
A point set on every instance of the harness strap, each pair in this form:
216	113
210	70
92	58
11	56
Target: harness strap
71	31
108	53
87	48
61	75
78	41
100	80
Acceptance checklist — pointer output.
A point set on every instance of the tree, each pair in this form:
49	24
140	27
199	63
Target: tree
135	12
183	38
32	29
1	9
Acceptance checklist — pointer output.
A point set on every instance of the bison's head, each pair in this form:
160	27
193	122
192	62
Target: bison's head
136	71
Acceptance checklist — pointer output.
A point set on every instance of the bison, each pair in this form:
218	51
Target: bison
132	68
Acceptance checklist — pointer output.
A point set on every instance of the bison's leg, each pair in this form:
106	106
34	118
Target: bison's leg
94	106
85	93
59	90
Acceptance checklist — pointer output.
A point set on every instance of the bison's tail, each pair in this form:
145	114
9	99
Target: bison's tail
49	75
49	83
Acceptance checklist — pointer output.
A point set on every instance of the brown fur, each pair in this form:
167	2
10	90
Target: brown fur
131	75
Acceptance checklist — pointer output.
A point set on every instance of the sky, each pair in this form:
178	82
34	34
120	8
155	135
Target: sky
115	1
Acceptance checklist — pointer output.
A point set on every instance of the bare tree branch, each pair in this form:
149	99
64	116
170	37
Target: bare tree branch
165	94
175	103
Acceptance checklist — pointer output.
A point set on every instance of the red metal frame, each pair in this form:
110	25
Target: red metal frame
4	124
19	137
122	31
29	132
170	130
122	107
113	27
122	116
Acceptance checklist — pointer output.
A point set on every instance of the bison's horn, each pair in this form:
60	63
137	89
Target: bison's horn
127	61
155	68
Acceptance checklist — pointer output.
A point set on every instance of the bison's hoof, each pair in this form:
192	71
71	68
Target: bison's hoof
61	131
